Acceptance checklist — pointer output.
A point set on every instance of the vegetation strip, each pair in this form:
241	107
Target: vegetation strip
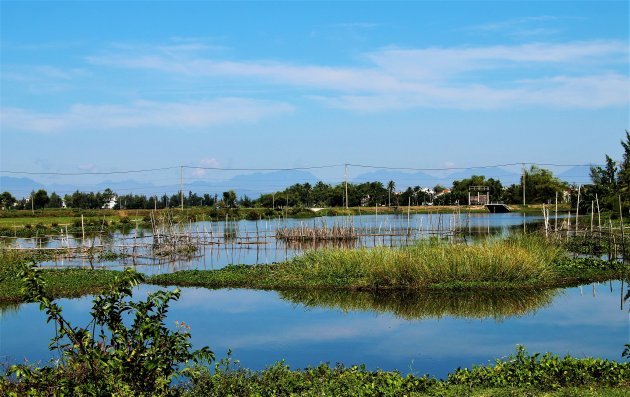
516	263
525	262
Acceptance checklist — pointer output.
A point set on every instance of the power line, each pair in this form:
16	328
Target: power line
470	168
296	168
87	173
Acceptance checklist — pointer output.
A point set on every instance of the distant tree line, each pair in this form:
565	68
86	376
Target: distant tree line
541	186
609	184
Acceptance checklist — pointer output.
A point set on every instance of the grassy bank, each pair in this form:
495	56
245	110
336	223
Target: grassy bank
520	374
59	282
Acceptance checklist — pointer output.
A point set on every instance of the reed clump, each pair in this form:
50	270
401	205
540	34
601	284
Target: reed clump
522	259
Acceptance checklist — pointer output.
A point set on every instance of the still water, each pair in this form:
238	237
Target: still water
415	333
254	242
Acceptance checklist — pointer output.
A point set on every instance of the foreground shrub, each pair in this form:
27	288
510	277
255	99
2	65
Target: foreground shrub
137	359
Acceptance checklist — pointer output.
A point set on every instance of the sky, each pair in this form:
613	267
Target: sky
98	86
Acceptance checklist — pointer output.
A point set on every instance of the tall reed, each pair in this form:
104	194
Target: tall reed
517	259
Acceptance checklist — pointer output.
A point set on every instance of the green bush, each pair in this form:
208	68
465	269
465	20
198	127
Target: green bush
140	359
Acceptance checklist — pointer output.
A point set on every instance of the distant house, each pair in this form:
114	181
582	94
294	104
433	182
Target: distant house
111	203
445	191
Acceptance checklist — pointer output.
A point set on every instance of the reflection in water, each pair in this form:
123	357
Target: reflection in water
420	305
6	307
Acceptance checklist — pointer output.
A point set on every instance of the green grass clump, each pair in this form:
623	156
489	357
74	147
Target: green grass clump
517	260
59	282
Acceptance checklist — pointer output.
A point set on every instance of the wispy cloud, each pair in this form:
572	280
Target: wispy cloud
143	114
530	26
586	74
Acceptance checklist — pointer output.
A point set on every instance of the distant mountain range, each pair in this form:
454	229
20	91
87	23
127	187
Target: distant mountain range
253	185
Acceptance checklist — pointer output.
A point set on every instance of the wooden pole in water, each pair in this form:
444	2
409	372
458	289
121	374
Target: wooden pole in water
599	215
592	214
577	210
82	230
408	214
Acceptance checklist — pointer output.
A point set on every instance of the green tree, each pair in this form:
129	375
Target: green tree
623	177
461	188
229	199
40	199
55	201
390	188
540	186
7	200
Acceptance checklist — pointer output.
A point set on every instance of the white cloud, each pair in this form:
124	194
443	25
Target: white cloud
140	114
576	74
208	162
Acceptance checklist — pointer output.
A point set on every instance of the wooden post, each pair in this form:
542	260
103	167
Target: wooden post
599	215
181	186
555	224
523	184
408	214
577	210
346	182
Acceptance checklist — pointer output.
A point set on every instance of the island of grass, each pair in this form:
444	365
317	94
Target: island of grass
513	263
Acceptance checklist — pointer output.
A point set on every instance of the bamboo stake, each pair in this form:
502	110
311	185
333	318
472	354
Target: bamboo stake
577	210
599	215
592	214
555	226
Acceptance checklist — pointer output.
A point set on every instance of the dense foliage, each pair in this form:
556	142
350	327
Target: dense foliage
610	186
134	352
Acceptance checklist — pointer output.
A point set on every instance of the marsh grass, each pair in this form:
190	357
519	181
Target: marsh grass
521	259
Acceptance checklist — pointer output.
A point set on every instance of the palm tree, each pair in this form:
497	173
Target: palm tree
390	186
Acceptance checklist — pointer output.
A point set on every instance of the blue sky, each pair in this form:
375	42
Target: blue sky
110	86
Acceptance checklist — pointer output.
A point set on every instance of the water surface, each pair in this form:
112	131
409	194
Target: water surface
413	334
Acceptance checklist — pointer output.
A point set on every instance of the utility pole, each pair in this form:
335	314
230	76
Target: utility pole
346	182
524	173
181	185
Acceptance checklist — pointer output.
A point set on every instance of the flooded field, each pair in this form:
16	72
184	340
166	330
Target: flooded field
215	244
